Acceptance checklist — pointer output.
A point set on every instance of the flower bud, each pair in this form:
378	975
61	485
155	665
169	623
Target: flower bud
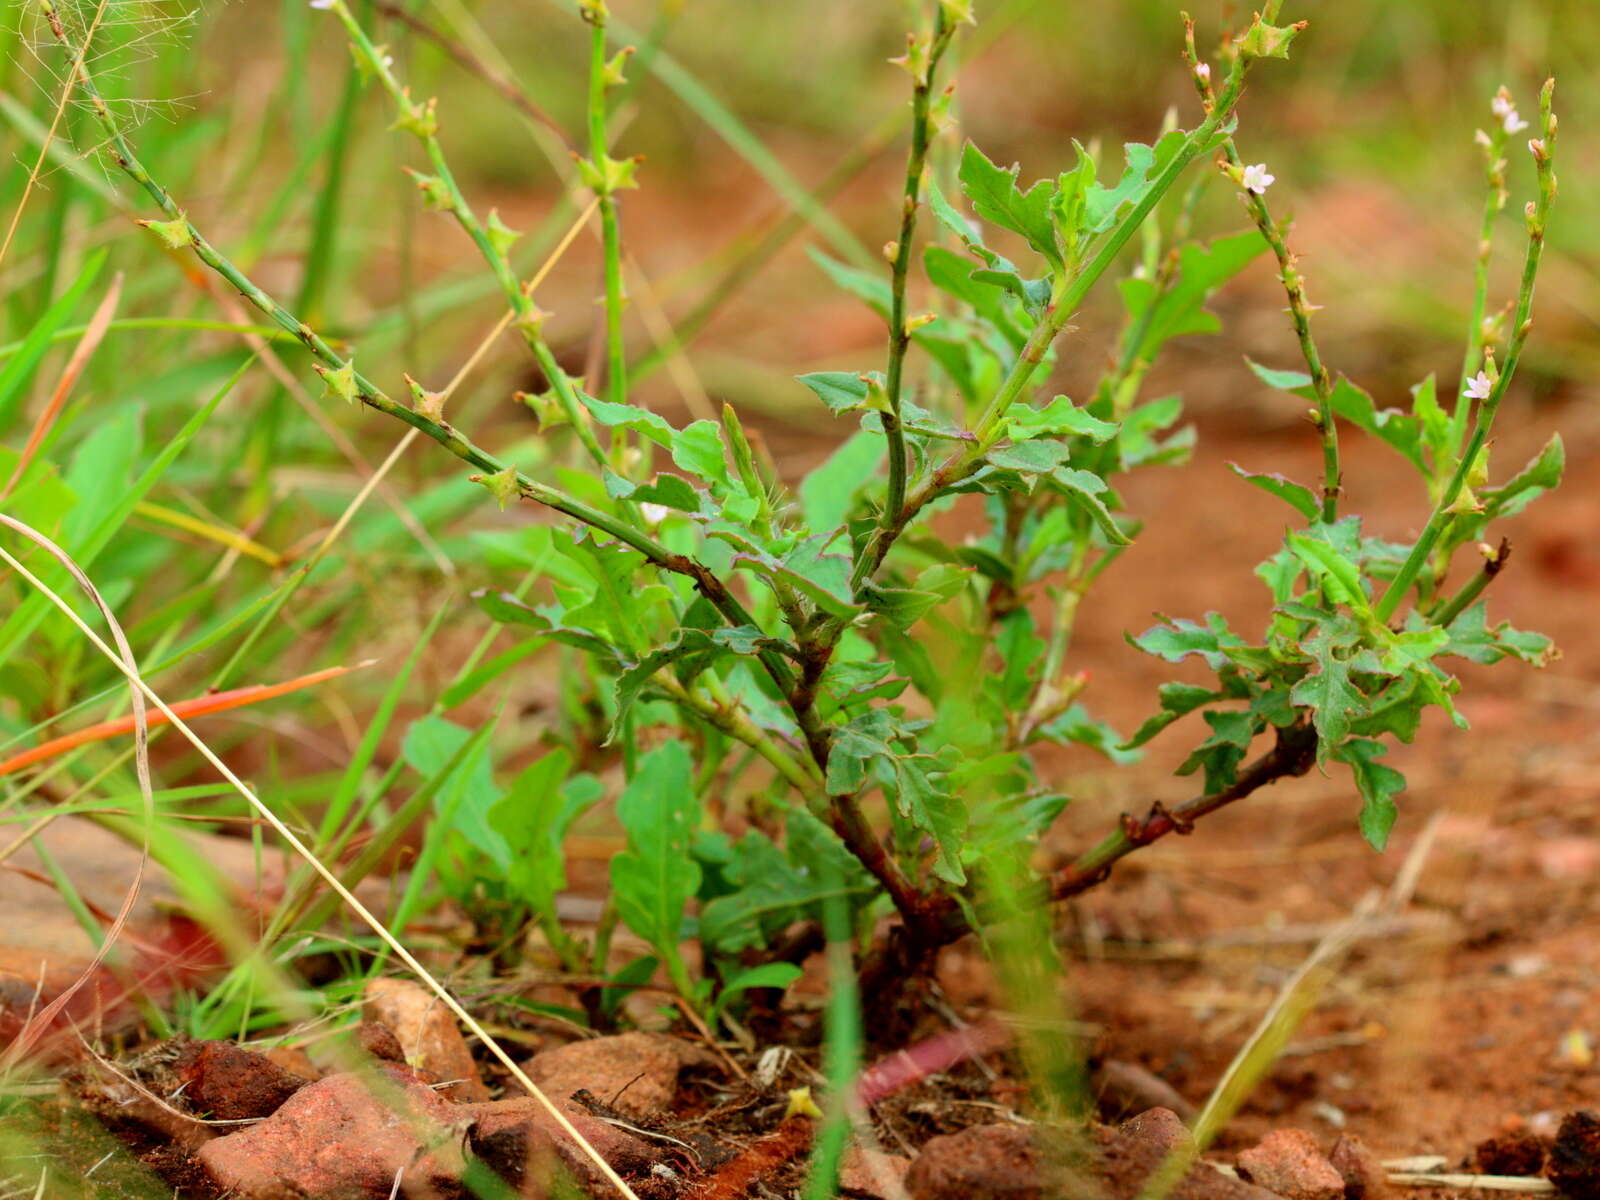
341	382
174	234
502	485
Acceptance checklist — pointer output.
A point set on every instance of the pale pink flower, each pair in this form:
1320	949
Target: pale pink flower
1256	178
1479	387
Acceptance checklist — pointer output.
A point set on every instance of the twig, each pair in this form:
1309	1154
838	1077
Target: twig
1494	562
1293	755
1530	1184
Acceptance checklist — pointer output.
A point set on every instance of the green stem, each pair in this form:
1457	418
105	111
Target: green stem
1473	588
1300	314
611	234
1538	212
899	335
721	712
1069	292
374	397
528	317
1494	202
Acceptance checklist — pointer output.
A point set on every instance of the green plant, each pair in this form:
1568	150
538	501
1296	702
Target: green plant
867	694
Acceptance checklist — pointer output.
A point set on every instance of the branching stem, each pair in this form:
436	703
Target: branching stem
1537	212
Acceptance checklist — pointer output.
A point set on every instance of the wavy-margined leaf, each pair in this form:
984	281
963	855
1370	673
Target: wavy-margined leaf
997	199
1177	700
1176	639
1103	205
1138	442
507	609
1541	473
1327	690
951	273
1060	418
630	416
1395	712
767	975
841	391
906	606
1299	497
697	646
668	490
1221	753
874	738
653	879
1472	639
1078	728
1038	457
1378	784
1084	488
698	449
1181	309
1400	430
770	892
1337	573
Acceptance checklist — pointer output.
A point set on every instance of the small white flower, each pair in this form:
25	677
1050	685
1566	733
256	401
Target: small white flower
386	61
1501	104
322	4
1256	178
654	513
1202	72
1481	138
1514	123
1479	387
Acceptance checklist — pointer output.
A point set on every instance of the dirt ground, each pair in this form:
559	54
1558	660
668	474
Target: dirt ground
1474	1007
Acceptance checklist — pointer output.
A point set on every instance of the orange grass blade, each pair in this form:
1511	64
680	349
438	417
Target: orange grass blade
92	335
199	706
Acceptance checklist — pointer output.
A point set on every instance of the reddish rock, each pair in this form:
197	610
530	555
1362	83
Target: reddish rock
229	1083
1574	1163
1363	1175
1122	1088
983	1162
295	1061
1156	1140
525	1144
427	1032
1513	1153
1290	1163
872	1173
1160	1127
1011	1162
635	1073
346	1137
378	1040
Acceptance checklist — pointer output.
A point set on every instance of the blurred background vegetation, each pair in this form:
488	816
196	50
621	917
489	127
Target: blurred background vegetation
251	114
